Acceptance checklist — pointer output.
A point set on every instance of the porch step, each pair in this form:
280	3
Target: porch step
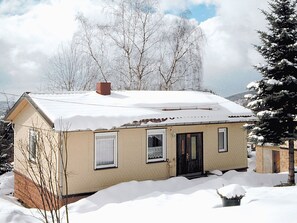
191	176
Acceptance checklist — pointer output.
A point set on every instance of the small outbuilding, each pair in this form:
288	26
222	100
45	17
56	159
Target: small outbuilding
273	158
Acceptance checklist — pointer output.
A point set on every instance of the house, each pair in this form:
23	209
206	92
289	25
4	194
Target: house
274	158
107	137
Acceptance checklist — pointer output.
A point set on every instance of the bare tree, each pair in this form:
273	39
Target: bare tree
180	55
131	35
136	32
43	160
92	40
139	47
70	70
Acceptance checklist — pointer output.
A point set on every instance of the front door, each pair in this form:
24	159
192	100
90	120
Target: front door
189	153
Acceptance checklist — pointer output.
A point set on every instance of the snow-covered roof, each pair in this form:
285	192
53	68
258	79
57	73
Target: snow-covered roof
90	111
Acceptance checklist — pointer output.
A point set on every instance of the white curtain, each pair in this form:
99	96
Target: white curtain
105	150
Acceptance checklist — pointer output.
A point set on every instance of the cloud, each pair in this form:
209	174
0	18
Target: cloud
173	5
19	69
40	26
32	30
229	53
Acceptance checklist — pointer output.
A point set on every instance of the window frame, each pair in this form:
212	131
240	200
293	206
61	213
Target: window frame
225	138
33	134
106	135
162	132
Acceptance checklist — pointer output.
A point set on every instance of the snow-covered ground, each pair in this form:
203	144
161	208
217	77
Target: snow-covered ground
173	200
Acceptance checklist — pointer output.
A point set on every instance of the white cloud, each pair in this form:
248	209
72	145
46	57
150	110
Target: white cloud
174	4
181	5
31	31
43	25
229	53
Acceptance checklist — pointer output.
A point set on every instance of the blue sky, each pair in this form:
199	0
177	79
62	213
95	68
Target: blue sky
202	12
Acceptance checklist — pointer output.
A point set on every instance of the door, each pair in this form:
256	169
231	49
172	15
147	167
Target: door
189	153
276	161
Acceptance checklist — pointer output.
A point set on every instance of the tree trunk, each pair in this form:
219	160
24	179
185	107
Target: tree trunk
291	177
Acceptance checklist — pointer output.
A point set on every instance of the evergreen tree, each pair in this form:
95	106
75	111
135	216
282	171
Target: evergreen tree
276	93
6	140
6	147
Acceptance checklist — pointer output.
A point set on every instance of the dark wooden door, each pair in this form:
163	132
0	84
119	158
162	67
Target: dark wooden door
189	153
276	161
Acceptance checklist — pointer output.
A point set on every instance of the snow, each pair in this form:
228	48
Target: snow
91	111
255	103
286	62
274	82
6	183
248	96
266	113
253	85
216	172
174	200
231	191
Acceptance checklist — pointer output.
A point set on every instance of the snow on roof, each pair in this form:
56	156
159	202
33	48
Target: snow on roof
90	111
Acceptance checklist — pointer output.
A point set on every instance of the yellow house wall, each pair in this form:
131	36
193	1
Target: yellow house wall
132	165
234	158
26	119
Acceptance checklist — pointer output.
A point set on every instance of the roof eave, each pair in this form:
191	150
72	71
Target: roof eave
160	124
25	96
16	104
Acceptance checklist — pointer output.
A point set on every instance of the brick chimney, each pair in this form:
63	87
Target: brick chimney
103	88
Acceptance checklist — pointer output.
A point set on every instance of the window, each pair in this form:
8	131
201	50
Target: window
32	144
223	139
193	147
156	145
105	150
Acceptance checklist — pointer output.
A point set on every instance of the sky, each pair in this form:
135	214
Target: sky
31	30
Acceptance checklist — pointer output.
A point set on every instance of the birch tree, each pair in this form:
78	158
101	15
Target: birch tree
179	55
91	39
70	69
135	49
